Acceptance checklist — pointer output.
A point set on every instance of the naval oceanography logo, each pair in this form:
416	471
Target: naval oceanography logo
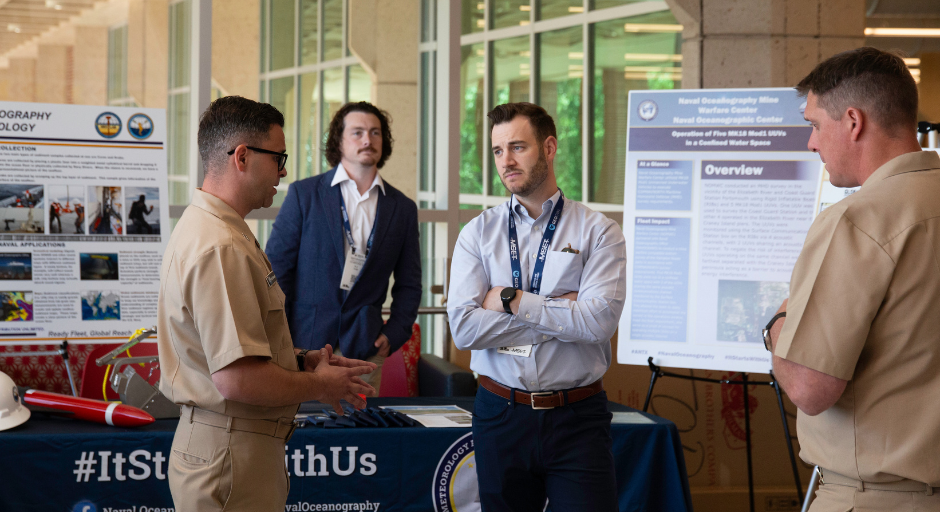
108	125
455	487
140	126
647	110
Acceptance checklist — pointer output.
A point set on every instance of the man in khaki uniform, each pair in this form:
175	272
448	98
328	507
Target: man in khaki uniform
225	350
859	349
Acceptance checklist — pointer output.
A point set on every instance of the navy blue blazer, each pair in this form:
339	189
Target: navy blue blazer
307	253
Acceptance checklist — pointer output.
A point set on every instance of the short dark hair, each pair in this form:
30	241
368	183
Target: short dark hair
334	138
871	80
541	122
230	121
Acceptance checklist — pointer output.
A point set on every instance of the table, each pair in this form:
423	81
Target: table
53	463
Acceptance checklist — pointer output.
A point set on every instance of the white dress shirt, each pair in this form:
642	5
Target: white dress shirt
571	339
360	207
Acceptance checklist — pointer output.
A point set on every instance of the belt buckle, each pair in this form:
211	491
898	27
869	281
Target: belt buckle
543	393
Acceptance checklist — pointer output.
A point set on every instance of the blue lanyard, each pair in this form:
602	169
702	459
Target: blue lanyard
348	228
543	248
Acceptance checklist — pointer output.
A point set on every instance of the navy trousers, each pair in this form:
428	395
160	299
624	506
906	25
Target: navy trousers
525	455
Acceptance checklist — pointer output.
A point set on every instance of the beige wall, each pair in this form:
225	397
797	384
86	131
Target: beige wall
236	53
383	34
22	79
54	65
763	43
930	87
90	65
147	43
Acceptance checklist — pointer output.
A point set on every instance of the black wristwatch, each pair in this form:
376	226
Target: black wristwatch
506	295
768	343
300	358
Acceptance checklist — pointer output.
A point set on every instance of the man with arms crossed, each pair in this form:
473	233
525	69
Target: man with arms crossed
537	287
225	351
339	237
858	349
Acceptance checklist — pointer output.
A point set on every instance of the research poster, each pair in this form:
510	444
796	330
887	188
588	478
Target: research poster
84	219
720	193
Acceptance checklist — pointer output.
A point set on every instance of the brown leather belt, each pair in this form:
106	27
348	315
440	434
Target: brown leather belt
827	477
282	428
545	399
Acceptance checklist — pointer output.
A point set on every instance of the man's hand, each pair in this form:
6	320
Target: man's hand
343	382
492	301
382	343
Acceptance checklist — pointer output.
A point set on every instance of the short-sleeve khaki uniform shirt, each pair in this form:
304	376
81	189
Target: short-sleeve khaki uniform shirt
865	307
219	302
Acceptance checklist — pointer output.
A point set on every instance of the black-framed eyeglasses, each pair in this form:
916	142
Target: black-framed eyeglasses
766	330
281	157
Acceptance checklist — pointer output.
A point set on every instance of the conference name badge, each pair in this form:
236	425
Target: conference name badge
351	270
521	350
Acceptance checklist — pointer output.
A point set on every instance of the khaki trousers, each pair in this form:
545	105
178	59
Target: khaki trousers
214	470
840	498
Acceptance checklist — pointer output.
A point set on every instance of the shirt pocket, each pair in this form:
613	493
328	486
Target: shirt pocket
276	329
562	273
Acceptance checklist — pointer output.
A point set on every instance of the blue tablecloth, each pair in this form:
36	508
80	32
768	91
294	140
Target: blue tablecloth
58	464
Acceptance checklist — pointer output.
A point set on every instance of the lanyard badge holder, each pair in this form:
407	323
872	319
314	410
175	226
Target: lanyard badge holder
354	260
536	282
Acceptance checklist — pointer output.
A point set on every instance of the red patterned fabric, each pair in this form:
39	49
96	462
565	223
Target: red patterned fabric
400	370
46	373
411	352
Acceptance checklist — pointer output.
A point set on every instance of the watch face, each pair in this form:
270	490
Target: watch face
507	294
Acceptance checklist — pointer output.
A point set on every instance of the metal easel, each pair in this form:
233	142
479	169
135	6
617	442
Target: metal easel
658	372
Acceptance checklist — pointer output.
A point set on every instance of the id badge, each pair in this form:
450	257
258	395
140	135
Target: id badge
354	264
521	350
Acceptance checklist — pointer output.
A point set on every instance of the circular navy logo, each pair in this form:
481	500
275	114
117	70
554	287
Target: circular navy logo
84	506
515	273
108	125
140	126
455	487
647	110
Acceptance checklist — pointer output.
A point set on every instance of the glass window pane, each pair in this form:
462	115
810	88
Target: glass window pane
309	35
556	8
511	72
510	13
178	147
283	98
561	71
282	38
471	16
626	58
179	44
433	240
360	84
426	120
332	101
263	61
426	21
472	70
307	118
603	4
332	29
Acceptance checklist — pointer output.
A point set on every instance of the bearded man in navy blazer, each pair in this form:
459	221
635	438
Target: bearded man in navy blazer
311	246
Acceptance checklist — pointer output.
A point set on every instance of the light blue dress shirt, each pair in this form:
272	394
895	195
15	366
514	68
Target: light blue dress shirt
571	339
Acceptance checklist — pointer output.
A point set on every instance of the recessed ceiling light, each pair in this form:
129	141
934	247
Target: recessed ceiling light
902	32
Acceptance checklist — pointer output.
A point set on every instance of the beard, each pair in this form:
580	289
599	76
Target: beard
534	178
